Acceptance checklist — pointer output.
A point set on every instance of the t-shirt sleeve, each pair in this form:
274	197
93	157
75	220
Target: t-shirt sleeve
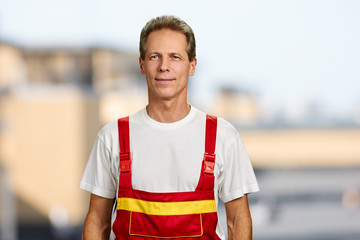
238	177
97	177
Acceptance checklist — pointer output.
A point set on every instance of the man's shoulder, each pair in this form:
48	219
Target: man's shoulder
108	129
226	130
222	124
225	125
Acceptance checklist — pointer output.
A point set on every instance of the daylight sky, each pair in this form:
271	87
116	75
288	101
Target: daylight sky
288	53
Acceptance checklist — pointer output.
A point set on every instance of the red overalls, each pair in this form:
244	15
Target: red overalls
180	215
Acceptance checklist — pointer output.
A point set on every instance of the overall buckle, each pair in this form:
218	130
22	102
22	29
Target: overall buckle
209	163
125	162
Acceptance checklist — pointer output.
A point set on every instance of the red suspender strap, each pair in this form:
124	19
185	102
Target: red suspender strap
207	173
124	155
210	142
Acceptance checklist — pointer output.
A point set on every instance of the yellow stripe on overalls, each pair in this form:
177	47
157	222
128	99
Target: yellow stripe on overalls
166	208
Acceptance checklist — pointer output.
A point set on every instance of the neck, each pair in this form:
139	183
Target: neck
168	111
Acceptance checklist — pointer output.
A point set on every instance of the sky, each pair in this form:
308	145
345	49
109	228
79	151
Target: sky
289	53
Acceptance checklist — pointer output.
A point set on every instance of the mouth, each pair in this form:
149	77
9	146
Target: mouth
164	79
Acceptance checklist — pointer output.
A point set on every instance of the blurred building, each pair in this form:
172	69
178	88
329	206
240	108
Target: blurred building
53	102
11	66
238	107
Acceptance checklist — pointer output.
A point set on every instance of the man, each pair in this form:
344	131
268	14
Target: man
160	185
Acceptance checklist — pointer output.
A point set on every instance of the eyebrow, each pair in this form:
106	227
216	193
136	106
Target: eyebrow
170	53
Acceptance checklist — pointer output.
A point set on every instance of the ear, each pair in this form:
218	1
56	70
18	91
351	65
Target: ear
193	66
141	64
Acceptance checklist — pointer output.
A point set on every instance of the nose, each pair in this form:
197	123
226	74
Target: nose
164	65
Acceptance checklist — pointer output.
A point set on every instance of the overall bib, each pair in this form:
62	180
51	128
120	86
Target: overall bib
145	215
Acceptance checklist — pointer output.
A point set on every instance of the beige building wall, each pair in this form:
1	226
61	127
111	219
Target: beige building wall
236	107
12	71
57	66
116	104
45	144
113	70
303	147
48	126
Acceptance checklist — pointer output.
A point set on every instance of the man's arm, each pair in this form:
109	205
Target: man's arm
98	220
239	224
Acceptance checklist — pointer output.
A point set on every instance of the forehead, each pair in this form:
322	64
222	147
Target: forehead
166	40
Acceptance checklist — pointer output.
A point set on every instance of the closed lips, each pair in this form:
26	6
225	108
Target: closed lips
164	79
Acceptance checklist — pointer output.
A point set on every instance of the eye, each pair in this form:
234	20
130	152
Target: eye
176	57
154	57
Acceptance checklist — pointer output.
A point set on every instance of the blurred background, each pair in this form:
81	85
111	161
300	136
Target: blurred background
285	73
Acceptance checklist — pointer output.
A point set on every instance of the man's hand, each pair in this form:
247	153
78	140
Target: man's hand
98	220
238	218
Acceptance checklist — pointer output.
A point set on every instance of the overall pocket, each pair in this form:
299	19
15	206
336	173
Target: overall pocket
159	226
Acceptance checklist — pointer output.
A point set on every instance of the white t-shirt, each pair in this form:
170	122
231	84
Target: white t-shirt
167	157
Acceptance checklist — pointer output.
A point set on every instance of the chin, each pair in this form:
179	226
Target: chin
165	95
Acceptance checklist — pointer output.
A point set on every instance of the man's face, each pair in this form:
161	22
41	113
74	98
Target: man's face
166	65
